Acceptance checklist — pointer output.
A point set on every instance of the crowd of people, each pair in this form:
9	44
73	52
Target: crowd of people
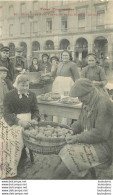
20	109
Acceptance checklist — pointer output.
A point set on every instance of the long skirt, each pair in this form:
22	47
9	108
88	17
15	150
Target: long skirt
79	158
11	145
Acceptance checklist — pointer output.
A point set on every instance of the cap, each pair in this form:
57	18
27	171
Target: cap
55	58
4	48
4	69
45	54
19	49
91	54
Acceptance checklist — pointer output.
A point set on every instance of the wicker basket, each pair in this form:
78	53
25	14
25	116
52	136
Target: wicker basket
44	145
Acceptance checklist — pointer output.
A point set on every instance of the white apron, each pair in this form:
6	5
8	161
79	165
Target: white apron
62	85
11	145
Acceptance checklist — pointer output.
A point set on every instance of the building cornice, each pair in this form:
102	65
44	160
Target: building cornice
53	35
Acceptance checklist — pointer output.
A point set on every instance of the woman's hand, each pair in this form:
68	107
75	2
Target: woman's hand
96	83
100	83
34	122
71	139
24	124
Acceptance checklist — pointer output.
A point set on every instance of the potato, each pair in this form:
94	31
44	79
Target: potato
36	128
71	132
54	134
48	133
62	136
40	135
31	128
49	126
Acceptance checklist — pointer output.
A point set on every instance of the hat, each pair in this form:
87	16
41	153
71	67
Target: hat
45	54
19	49
91	54
81	87
4	69
55	58
4	48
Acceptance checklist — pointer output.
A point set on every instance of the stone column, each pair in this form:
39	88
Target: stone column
90	44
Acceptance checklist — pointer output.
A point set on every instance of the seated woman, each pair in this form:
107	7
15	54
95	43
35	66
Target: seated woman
95	73
34	66
20	111
91	144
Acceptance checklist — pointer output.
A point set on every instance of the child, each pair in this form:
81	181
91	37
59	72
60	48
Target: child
3	87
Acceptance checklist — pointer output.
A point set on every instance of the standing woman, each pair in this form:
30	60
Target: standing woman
66	73
95	73
34	66
45	66
54	61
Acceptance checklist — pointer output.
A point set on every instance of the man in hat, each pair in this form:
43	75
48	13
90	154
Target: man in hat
3	86
18	61
5	62
91	144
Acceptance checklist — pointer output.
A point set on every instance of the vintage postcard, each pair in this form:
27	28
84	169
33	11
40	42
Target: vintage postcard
56	90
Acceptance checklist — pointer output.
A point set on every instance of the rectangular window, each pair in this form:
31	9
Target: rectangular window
0	31
81	21
64	23
100	19
35	27
22	28
1	9
49	25
11	11
23	8
35	5
10	29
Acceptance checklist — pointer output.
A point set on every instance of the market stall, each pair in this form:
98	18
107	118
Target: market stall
59	109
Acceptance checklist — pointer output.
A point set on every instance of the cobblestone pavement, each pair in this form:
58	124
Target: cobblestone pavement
42	168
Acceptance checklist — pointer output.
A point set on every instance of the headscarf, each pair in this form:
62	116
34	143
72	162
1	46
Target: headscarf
82	87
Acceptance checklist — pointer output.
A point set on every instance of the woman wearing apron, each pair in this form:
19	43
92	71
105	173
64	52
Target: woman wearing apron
91	144
20	111
95	73
66	73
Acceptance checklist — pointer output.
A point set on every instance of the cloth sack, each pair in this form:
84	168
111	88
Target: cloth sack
11	145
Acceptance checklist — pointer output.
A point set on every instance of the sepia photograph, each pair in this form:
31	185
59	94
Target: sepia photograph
56	90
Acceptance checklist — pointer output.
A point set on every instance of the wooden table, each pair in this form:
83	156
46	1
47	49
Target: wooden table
59	109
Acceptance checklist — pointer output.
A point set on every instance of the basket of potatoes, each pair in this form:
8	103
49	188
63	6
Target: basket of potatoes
46	137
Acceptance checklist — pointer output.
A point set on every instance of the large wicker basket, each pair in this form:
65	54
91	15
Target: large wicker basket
44	145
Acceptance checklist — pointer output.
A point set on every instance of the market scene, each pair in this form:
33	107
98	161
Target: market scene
56	90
